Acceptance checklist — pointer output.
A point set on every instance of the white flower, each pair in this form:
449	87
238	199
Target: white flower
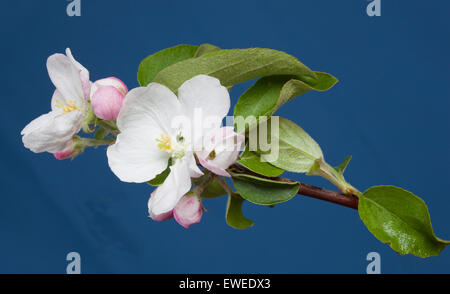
152	133
53	131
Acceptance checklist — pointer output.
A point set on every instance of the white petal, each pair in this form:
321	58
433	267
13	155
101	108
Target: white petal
167	195
66	78
135	156
83	73
57	99
144	117
206	101
153	107
52	131
194	171
78	65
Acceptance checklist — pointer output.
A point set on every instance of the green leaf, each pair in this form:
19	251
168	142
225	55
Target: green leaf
159	179
252	161
101	134
268	94
341	168
213	190
264	191
297	152
234	216
401	219
153	64
235	66
205	49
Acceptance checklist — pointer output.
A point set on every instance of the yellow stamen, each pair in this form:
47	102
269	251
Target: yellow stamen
68	107
165	143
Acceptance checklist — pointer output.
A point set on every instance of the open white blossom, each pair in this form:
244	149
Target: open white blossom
53	131
151	133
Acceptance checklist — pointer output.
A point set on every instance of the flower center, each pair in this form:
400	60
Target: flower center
165	143
176	148
67	107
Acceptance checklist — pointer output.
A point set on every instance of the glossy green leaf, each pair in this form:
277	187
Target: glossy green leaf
234	216
205	49
268	94
213	190
252	161
153	64
264	191
159	179
297	152
235	66
401	219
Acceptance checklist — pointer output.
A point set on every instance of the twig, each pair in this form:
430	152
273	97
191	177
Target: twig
350	201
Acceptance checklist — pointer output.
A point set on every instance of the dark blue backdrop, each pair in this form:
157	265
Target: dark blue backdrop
390	111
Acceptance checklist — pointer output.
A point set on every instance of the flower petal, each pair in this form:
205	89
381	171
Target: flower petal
107	102
145	115
206	101
160	217
51	132
152	107
66	78
83	73
57	99
188	210
166	196
111	81
194	171
226	145
135	156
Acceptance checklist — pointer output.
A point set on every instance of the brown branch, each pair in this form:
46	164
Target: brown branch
327	195
350	201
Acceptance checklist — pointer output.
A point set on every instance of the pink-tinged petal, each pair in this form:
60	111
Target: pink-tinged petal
160	217
73	148
221	150
111	81
63	155
83	74
215	169
188	210
107	102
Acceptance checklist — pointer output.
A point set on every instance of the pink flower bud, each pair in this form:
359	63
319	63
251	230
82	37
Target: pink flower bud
73	148
188	210
159	217
107	97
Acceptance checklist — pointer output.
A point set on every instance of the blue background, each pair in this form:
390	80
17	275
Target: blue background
390	111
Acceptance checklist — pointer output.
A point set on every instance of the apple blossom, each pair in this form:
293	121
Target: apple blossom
151	134
188	210
107	97
52	132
